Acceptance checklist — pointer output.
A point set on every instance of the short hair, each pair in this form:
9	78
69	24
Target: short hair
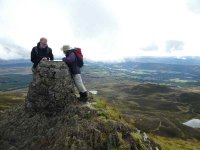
43	39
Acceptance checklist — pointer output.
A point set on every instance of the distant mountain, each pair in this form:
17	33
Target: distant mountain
161	60
15	63
161	66
152	70
187	60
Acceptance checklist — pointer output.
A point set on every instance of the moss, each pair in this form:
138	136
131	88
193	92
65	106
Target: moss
121	141
139	140
107	111
100	103
124	147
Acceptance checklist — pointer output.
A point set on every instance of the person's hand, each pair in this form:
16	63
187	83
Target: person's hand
44	59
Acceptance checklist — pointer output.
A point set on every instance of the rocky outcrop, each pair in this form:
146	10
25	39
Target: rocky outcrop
57	121
52	88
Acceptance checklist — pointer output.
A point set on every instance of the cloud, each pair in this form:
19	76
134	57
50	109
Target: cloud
79	23
90	19
10	50
151	47
105	30
174	45
194	5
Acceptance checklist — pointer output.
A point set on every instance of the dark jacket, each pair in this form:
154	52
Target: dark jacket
71	60
37	54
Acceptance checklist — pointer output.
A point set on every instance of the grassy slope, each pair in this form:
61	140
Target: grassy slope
175	143
164	142
14	81
153	103
106	113
11	99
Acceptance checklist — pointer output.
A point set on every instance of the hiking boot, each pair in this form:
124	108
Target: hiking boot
83	97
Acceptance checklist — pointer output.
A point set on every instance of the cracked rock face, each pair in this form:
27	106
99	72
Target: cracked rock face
52	88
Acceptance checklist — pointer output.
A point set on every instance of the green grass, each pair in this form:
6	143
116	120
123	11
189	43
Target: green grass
107	111
191	98
123	144
176	144
14	81
8	100
177	80
138	139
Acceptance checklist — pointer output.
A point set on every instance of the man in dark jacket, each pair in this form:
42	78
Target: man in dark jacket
41	52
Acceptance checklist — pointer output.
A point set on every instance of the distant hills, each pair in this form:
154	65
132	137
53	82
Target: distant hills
170	71
148	89
188	60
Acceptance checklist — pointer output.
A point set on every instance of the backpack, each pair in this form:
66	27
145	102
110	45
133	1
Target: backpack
79	56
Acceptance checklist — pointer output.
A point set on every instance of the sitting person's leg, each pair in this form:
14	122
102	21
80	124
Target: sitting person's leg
81	88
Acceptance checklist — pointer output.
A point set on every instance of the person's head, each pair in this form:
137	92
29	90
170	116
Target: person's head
65	48
43	42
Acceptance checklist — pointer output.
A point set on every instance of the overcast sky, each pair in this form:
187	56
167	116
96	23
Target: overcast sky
104	29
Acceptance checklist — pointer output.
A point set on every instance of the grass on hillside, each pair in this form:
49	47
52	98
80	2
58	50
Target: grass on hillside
10	82
8	100
176	144
107	111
